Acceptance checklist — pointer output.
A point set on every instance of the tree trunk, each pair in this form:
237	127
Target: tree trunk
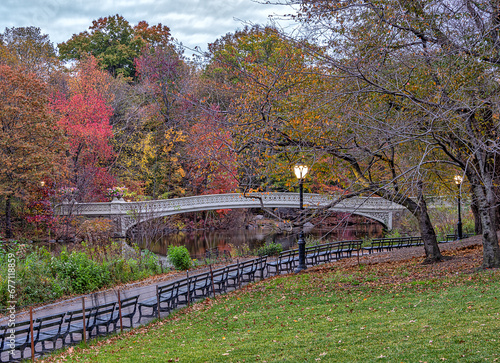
477	216
419	210
427	232
491	250
8	217
432	252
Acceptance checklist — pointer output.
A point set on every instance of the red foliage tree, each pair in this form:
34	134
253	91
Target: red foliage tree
212	160
84	117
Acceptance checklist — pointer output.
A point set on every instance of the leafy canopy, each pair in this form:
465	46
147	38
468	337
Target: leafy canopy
115	43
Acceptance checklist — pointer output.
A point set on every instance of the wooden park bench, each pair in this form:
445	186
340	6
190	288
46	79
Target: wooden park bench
261	263
108	315
202	285
233	276
454	237
409	242
248	270
388	244
166	296
128	308
104	318
219	280
76	320
342	249
380	245
16	339
193	288
324	252
311	255
286	261
245	272
51	329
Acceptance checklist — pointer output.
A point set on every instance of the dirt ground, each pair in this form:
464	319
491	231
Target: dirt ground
464	256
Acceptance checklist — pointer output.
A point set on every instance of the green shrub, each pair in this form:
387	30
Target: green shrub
35	282
367	241
84	274
150	262
272	249
468	224
120	270
42	277
312	241
179	257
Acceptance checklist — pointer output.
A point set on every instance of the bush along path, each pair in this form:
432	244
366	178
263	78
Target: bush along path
42	277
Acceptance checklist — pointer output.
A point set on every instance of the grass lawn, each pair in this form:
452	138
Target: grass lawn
390	312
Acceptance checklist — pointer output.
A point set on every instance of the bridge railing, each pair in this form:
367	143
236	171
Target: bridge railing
218	201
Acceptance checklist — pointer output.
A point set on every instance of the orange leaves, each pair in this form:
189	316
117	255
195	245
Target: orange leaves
30	144
154	35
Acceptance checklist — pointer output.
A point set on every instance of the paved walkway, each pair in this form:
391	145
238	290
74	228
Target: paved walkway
145	289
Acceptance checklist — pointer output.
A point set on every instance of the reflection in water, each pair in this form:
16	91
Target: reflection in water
197	242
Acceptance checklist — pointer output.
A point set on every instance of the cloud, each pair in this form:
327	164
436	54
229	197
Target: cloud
192	22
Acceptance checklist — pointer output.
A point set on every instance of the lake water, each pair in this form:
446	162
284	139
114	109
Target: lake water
197	242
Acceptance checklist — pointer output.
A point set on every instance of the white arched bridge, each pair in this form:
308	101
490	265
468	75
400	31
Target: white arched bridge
128	214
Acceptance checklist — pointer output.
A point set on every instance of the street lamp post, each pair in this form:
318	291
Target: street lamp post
300	172
458	181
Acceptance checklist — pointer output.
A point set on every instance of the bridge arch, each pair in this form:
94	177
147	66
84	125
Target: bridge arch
128	214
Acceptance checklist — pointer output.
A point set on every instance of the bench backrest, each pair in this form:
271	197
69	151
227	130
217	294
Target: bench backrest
325	247
233	270
262	261
349	245
105	309
76	316
288	254
129	301
20	332
201	279
172	288
246	264
185	284
220	273
51	321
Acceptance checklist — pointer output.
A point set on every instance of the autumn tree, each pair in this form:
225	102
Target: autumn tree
114	43
30	144
163	80
210	157
285	108
262	74
28	47
84	116
435	63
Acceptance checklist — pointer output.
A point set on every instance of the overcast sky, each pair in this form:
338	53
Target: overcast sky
192	22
